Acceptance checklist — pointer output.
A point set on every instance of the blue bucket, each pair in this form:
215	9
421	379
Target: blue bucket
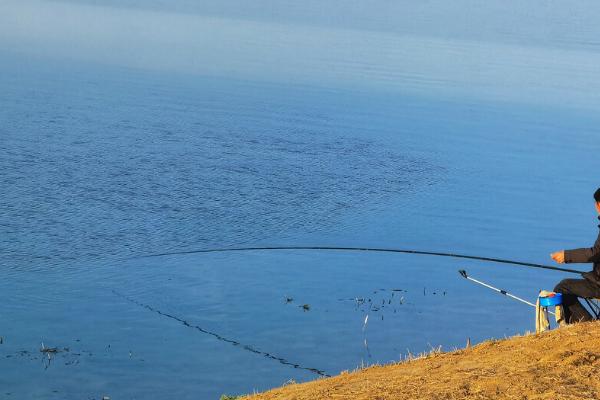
553	299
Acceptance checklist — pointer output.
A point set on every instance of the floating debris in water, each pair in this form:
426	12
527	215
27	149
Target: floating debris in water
288	300
383	300
305	307
48	355
51	350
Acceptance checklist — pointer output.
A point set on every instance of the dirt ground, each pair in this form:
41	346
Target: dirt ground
558	364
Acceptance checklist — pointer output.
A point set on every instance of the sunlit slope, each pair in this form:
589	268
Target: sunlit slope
560	364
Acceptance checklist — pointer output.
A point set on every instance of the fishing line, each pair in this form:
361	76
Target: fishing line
370	249
316	248
246	347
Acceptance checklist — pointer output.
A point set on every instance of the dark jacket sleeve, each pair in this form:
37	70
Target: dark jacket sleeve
585	254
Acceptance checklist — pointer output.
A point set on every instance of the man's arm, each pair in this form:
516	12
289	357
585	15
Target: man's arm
591	254
582	255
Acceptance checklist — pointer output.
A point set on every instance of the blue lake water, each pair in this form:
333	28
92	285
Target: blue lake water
316	131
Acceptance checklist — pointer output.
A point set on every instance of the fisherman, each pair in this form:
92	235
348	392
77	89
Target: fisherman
589	287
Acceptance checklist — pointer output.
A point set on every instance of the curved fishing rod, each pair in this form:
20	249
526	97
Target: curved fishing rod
371	249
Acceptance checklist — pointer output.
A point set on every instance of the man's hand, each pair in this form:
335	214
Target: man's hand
558	256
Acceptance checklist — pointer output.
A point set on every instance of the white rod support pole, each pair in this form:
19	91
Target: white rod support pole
501	291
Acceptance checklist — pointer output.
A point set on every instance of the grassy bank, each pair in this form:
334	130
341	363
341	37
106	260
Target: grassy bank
559	364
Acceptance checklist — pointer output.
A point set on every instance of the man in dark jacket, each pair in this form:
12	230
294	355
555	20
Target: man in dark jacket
589	287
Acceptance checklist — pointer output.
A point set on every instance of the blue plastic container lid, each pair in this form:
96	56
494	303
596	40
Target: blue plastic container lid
552	299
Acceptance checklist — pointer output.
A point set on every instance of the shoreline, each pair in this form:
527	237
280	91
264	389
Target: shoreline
560	363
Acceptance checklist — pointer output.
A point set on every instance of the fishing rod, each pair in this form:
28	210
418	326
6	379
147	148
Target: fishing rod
369	249
463	273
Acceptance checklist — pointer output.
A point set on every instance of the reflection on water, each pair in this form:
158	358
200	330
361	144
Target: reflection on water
217	336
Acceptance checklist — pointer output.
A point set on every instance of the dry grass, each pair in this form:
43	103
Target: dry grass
560	364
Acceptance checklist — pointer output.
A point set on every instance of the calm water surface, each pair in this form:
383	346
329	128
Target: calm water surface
104	165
